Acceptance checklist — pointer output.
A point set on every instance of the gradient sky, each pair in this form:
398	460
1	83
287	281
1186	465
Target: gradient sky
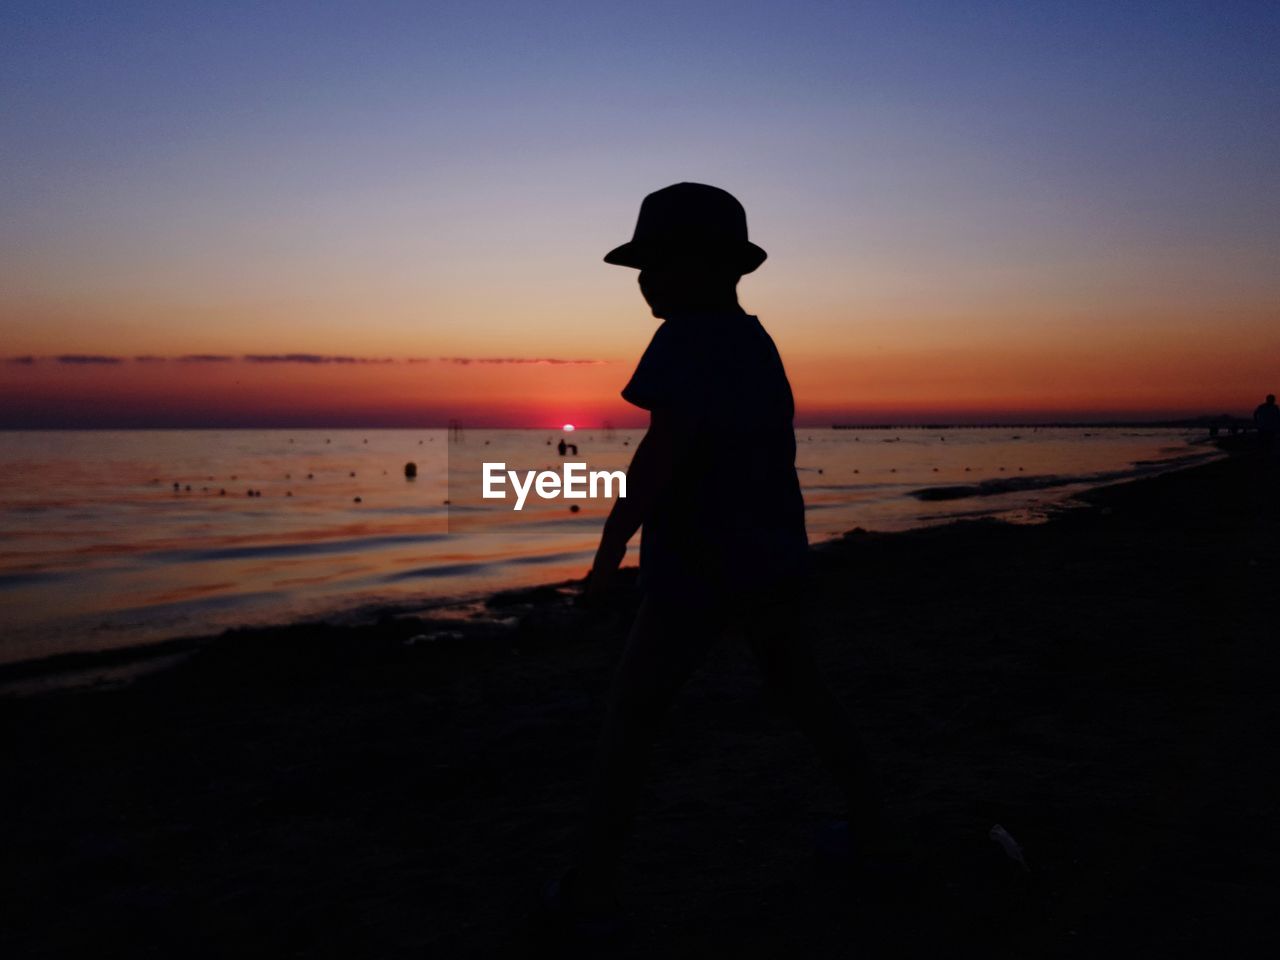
973	210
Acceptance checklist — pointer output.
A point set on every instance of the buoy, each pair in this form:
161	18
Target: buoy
574	508
410	470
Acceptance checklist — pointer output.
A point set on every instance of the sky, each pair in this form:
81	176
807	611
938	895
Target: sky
393	214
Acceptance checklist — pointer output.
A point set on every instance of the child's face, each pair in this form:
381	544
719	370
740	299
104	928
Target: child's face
676	287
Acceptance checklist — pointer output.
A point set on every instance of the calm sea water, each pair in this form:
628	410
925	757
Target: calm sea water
115	538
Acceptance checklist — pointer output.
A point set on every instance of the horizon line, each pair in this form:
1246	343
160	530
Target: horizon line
1196	420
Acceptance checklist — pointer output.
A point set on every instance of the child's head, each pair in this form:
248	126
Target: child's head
689	285
691	247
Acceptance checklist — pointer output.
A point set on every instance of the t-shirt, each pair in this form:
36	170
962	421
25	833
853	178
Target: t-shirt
732	519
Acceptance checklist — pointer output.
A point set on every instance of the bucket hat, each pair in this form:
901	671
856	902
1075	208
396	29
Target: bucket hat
689	222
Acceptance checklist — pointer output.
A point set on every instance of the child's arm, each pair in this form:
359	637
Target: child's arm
650	472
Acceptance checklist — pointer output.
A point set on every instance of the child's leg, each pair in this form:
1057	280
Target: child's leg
784	648
666	645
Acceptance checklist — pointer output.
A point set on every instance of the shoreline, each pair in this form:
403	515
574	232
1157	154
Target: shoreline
1100	685
79	668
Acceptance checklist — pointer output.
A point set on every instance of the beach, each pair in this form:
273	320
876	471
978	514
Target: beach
1099	685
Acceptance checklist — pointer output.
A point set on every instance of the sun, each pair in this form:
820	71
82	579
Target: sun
568	428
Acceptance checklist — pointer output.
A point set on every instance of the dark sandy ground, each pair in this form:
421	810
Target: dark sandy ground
1103	686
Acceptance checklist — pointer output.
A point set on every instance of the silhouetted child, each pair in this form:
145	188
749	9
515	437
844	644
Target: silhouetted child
713	484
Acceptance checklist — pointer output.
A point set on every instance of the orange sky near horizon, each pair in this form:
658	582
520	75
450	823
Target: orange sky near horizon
859	347
1126	375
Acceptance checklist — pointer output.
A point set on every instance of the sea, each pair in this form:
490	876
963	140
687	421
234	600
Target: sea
113	539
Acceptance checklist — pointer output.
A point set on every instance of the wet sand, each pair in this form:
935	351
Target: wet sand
1101	685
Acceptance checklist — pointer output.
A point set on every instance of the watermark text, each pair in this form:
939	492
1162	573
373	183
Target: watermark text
573	482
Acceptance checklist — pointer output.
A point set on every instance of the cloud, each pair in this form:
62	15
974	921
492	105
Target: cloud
86	358
333	359
553	361
310	358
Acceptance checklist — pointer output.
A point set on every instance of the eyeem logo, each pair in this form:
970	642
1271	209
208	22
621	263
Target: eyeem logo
574	482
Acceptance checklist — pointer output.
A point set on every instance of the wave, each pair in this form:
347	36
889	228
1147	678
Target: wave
436	571
35	576
1002	485
551	557
295	549
439	571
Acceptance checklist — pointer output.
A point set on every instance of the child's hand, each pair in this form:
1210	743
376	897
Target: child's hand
602	578
600	584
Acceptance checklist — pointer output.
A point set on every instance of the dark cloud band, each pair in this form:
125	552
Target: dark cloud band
85	359
313	359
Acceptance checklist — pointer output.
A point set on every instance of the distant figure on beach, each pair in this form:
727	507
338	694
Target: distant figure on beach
713	484
1266	418
562	447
